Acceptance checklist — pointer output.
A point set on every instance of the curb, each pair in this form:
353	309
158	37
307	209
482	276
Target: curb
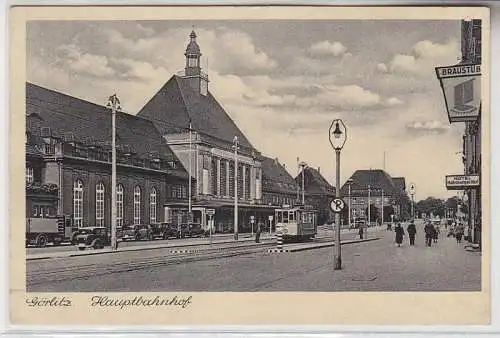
140	248
320	246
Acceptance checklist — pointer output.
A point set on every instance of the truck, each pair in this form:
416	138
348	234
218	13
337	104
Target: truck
43	230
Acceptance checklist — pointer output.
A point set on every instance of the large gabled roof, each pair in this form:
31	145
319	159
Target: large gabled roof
85	121
177	103
275	177
377	179
315	183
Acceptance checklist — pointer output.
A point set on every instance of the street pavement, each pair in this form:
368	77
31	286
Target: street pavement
369	266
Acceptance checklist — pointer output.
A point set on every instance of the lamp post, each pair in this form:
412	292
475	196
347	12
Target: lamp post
235	147
349	182
338	136
190	169
114	104
382	222
369	208
412	194
303	165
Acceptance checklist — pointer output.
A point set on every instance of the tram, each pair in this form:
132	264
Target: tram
297	223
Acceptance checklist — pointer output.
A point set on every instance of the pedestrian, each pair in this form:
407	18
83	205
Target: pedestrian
400	232
412	231
360	231
428	229
257	233
459	232
436	233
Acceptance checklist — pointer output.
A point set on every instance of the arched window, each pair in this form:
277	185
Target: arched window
152	205
137	205
99	204
119	205
78	203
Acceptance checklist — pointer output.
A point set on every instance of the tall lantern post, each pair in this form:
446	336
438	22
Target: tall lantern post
114	104
412	194
235	147
303	165
338	136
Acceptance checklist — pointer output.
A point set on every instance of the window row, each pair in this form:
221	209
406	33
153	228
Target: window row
78	200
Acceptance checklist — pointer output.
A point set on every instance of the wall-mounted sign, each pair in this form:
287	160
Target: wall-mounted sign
461	182
461	85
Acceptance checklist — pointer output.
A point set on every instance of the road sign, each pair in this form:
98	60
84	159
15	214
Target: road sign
210	212
252	219
337	205
270	218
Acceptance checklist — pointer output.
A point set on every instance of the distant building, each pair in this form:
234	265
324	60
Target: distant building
318	192
377	188
68	163
278	186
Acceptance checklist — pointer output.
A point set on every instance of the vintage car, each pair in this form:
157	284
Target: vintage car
137	232
193	230
92	237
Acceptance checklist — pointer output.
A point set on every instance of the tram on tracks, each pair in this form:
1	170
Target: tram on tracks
298	223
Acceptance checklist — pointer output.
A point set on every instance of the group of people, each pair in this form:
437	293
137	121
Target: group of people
431	233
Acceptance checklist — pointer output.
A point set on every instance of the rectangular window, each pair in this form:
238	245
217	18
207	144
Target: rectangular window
119	205
240	181
464	93
231	179
213	176
223	178
247	183
29	175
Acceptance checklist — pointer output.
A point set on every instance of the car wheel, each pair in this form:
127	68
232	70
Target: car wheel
81	248
98	245
42	241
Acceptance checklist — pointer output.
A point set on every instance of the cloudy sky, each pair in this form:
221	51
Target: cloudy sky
282	82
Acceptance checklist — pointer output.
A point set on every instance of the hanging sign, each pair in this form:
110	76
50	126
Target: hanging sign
461	182
461	85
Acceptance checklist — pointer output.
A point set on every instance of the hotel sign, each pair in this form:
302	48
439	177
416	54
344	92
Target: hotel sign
461	182
461	85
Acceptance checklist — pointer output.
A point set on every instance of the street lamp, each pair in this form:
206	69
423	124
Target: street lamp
338	136
190	173
349	182
235	147
369	208
412	194
114	104
303	165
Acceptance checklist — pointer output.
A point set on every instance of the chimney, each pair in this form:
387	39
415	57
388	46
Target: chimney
284	165
276	161
319	170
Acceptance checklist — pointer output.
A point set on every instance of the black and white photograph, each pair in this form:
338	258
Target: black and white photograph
254	156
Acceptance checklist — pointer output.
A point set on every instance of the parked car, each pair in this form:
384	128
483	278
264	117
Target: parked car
164	230
92	237
193	230
137	232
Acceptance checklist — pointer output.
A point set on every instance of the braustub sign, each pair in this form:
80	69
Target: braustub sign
461	85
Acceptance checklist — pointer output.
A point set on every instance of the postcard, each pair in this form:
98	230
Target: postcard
218	165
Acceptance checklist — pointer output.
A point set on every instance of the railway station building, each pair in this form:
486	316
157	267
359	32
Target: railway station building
211	147
68	163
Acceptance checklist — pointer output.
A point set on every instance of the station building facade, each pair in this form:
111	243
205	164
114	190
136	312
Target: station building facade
68	163
210	146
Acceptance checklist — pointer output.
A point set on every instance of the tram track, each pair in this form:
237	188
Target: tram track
85	271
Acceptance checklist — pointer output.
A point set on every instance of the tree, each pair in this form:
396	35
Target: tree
430	206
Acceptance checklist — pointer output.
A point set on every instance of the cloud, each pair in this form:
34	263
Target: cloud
95	65
328	48
394	101
381	67
427	127
424	56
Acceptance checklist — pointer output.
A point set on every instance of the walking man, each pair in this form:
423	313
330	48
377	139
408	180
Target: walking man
429	232
412	231
257	233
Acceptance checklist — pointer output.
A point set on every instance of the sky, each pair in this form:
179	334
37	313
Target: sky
282	82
